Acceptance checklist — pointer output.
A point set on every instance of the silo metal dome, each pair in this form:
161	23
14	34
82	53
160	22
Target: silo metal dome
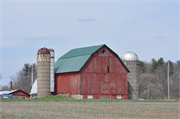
129	56
43	51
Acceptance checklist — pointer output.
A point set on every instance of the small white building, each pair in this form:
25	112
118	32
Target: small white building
33	92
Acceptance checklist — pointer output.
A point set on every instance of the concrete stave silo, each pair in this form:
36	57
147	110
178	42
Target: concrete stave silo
131	60
43	69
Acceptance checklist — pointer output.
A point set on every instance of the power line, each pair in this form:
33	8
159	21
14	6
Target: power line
168	80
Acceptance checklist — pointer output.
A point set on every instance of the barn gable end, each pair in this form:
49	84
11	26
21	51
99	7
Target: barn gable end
104	75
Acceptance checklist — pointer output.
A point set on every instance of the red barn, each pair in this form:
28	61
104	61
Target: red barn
16	93
94	72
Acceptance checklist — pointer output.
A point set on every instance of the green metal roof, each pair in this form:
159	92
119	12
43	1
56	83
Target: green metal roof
81	51
75	59
71	64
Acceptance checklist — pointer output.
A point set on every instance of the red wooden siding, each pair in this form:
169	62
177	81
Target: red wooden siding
95	79
67	83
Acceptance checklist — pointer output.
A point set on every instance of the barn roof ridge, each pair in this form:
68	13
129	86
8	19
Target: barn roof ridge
75	59
89	46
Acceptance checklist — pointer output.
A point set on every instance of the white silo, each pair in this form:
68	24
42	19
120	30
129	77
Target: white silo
131	60
52	70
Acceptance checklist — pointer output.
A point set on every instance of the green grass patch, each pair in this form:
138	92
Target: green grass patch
1	114
59	98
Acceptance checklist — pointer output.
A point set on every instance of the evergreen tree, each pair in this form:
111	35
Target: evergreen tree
178	63
160	61
27	68
142	66
155	64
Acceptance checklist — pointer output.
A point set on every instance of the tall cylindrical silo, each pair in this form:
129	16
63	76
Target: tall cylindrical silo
43	72
52	70
131	60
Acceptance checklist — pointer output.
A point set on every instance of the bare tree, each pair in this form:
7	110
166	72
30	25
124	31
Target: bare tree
153	80
5	88
22	80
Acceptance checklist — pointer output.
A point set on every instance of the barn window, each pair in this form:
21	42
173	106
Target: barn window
119	96
90	97
103	51
108	69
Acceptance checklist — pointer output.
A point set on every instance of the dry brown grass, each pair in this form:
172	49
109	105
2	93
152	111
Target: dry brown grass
90	110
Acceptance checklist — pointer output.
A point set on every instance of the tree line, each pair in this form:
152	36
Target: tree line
153	83
22	79
152	79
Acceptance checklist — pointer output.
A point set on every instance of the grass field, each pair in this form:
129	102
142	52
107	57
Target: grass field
56	107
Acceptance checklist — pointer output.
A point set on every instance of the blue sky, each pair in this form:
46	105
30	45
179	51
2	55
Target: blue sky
148	28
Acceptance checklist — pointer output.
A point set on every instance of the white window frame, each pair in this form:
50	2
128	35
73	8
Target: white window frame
90	97
119	96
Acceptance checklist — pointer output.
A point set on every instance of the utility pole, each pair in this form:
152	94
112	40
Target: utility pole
148	92
168	79
10	85
31	76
